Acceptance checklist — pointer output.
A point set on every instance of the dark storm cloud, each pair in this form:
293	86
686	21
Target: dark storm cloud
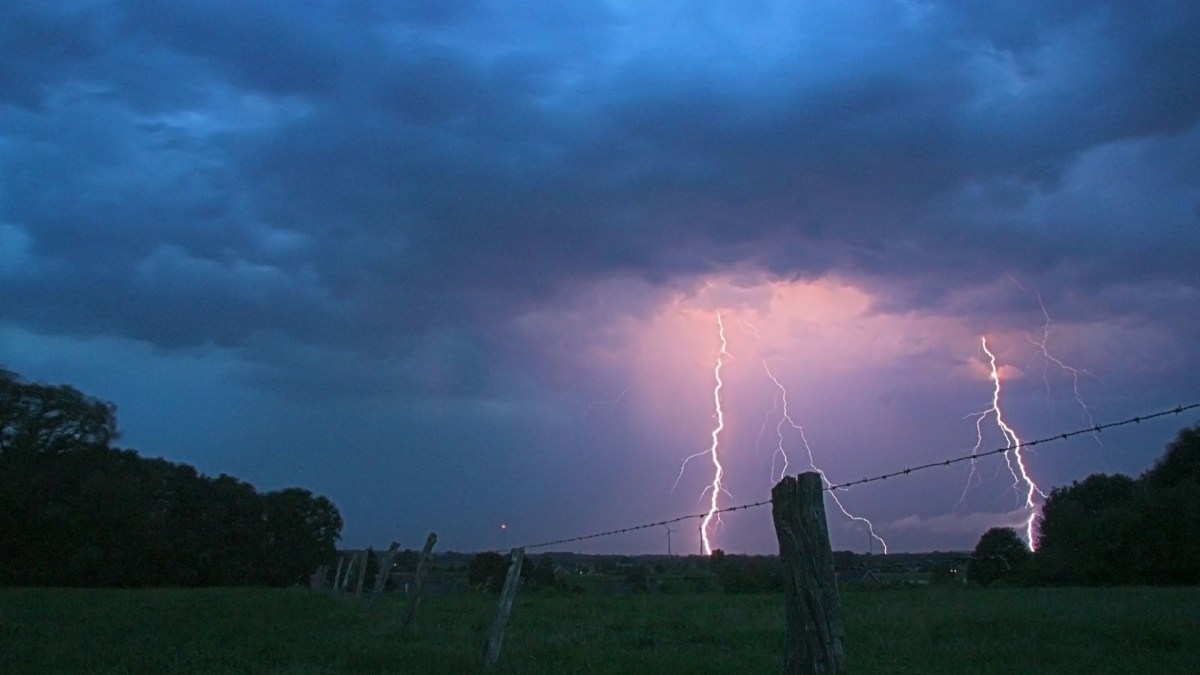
39	46
276	47
377	247
368	175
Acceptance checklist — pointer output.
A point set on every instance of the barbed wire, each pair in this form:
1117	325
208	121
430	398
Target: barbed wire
647	526
968	458
902	472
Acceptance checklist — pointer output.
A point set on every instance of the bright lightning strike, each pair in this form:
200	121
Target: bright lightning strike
715	488
1014	457
785	417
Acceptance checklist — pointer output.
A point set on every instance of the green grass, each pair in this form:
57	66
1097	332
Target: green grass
297	632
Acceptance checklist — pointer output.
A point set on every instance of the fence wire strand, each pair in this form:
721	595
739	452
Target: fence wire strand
1177	410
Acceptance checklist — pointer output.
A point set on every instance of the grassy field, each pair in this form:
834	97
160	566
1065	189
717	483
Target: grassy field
295	632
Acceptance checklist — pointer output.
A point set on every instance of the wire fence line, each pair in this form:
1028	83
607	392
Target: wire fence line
1177	410
972	457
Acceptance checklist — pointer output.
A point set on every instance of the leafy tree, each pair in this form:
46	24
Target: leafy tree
1000	554
74	511
1180	463
1118	530
543	573
1088	531
233	519
1165	546
37	418
1168	539
301	533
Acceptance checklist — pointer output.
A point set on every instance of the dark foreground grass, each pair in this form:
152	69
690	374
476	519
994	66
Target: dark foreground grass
297	632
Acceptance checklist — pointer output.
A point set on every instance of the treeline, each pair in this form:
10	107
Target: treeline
75	511
1110	529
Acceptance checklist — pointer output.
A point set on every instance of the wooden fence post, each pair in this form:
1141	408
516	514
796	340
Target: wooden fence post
491	648
385	570
815	632
349	572
362	572
317	580
419	579
337	576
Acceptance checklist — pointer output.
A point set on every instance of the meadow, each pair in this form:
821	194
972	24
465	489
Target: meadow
301	632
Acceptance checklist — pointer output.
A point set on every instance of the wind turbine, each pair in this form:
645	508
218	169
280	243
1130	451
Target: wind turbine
669	532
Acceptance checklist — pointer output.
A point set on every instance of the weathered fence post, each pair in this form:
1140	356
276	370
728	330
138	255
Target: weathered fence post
815	632
419	579
349	572
362	572
337	576
317	580
385	570
491	648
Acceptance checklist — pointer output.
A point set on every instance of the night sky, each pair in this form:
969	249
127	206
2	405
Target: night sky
457	264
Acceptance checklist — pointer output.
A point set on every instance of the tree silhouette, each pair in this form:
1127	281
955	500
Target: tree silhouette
1180	463
1000	554
1118	530
36	418
76	512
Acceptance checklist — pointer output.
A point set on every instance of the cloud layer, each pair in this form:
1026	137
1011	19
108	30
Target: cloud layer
435	224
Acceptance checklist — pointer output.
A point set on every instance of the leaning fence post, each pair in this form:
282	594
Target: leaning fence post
349	572
419	579
815	632
385	570
491	648
337	576
317	580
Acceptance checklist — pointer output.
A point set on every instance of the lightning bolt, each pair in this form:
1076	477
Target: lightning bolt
1014	457
780	453
715	488
615	401
786	418
1075	372
1042	348
750	327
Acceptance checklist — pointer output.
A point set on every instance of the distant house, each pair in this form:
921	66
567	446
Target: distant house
858	578
560	574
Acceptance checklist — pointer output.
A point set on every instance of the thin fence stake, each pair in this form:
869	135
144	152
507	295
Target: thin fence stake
337	576
385	570
419	579
349	572
815	633
491	648
317	581
362	572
